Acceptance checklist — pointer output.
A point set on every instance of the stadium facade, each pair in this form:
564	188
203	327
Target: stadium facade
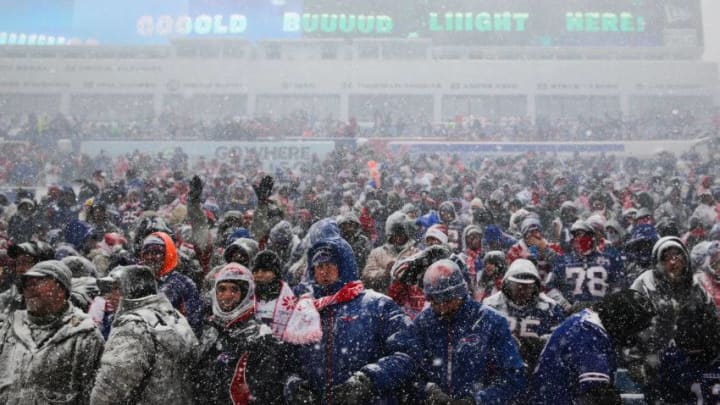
489	59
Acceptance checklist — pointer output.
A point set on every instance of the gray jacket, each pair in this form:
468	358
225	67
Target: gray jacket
48	364
147	357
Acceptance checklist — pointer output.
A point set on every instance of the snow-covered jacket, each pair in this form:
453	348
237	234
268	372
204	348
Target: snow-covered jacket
148	355
58	368
237	358
667	299
376	274
11	300
358	335
178	288
472	355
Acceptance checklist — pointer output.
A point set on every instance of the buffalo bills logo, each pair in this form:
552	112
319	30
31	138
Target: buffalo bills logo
349	318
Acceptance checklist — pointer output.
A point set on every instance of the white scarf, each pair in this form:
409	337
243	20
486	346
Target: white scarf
282	310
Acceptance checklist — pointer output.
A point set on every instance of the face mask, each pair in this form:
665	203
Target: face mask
267	291
583	245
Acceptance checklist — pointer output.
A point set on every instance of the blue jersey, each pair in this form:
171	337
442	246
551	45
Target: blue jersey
578	357
586	278
531	324
685	381
536	320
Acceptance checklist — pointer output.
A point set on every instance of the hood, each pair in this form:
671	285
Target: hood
239	274
350	217
249	246
171	254
448	206
323	229
663	244
281	234
347	267
135	281
470	229
396	221
236	234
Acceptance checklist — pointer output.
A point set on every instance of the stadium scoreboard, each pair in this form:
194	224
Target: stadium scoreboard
510	23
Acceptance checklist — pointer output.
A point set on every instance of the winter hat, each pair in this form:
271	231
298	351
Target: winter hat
529	224
135	281
26	201
236	234
409	208
444	281
437	233
39	250
323	256
497	258
643	232
643	212
350	218
581	226
698	254
281	234
248	246
80	266
65	250
243	277
153	240
55	269
666	243
597	223
522	271
267	260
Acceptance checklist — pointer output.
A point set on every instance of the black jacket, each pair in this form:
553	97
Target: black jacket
244	352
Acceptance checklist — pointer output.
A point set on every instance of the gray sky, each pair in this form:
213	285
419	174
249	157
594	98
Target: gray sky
711	11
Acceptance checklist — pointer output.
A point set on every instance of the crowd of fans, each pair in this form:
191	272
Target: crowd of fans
672	124
515	279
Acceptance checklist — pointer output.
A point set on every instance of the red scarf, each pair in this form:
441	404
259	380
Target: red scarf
347	293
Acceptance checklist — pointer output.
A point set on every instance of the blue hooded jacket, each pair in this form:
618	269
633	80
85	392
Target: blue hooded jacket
358	335
473	355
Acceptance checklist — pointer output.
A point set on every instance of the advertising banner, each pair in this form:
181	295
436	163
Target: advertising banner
547	23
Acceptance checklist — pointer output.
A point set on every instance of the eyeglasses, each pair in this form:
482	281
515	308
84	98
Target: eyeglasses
674	257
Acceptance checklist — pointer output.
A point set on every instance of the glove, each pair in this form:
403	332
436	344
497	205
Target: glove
263	190
301	393
358	389
411	269
436	396
196	188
